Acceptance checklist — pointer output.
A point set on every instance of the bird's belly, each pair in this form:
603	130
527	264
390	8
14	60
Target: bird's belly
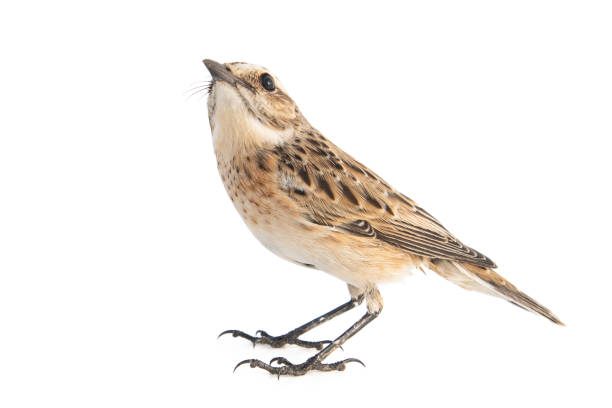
283	240
345	257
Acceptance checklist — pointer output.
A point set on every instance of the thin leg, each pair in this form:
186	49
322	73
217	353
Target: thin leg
316	361
261	337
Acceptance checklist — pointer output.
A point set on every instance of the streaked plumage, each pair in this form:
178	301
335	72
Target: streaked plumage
311	203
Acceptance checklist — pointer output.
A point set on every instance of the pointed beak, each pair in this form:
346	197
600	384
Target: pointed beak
220	72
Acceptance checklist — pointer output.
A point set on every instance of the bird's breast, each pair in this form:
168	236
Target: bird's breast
259	193
274	219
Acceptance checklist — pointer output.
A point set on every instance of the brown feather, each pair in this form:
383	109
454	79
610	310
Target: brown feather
487	281
345	192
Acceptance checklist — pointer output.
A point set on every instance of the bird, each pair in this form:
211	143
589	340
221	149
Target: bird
309	202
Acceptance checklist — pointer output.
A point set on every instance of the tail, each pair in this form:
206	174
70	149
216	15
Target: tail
487	281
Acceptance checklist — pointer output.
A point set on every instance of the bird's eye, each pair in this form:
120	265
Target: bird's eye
267	82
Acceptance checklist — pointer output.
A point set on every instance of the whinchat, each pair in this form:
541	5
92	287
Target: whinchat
311	203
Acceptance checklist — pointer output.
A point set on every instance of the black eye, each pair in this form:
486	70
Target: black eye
267	82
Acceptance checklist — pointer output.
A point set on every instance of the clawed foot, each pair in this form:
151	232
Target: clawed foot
261	337
285	367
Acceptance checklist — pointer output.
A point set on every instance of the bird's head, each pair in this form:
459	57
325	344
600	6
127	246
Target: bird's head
248	104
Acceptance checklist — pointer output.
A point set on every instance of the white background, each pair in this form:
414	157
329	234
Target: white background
121	258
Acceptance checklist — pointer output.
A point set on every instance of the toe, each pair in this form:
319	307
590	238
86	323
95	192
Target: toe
281	361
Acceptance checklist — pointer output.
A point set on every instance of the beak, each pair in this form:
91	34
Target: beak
220	72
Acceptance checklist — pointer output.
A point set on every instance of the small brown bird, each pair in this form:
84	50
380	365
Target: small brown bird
311	203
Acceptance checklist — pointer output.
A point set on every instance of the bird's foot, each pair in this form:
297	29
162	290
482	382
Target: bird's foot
261	337
285	367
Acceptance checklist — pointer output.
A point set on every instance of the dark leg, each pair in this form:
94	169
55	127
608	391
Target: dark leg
315	362
261	337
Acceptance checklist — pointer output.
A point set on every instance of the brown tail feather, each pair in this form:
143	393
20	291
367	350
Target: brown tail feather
488	281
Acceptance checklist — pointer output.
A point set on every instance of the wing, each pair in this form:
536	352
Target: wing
336	191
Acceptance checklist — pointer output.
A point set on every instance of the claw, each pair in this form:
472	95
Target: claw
234	333
258	363
223	333
238	333
281	360
353	360
250	361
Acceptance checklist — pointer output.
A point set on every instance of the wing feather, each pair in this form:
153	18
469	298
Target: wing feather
337	191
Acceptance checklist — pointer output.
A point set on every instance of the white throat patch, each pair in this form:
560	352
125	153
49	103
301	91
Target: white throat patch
234	126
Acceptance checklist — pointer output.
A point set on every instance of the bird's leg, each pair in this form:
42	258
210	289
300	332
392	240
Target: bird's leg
261	337
285	367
